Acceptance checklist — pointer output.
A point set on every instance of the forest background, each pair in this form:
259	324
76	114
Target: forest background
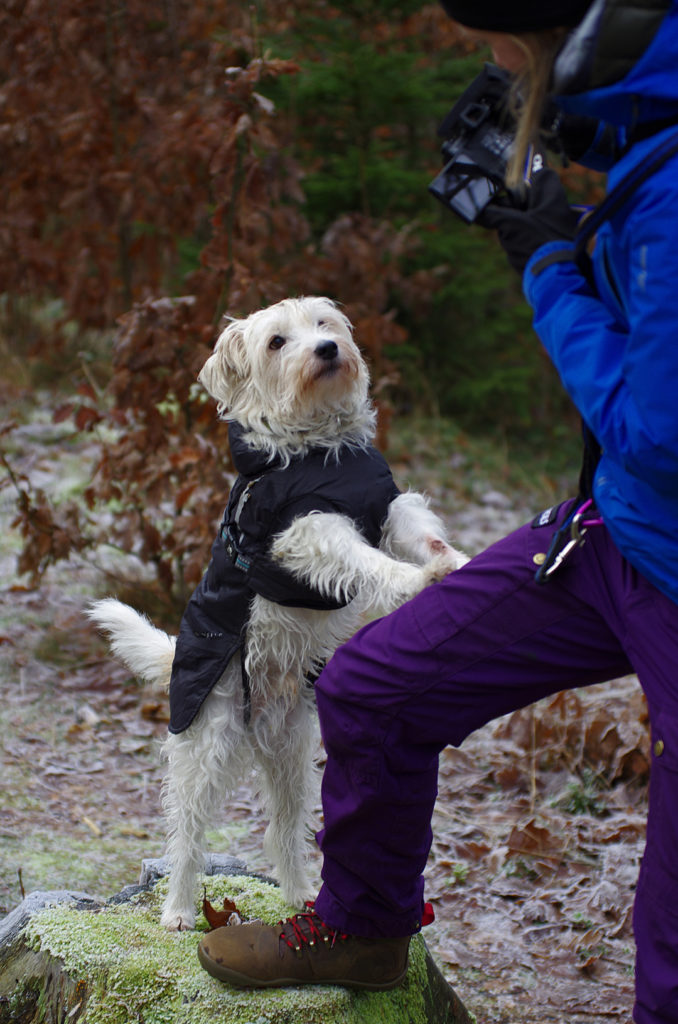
167	163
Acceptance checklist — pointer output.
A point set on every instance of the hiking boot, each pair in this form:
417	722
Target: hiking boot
302	950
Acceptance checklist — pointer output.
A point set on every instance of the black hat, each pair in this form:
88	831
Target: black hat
530	16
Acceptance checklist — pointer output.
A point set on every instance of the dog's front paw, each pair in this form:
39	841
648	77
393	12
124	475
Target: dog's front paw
442	564
178	921
298	895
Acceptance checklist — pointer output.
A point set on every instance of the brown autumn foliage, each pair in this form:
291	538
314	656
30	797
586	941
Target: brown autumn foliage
121	129
128	131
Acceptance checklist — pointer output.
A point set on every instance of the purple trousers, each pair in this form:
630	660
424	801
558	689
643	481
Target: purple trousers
485	641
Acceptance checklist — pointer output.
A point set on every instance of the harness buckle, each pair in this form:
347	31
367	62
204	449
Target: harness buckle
231	546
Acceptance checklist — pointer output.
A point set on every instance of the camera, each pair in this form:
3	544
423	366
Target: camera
478	135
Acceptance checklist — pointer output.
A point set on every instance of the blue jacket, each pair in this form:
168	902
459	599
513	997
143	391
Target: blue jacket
615	346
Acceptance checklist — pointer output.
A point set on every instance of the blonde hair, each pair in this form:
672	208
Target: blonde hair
529	93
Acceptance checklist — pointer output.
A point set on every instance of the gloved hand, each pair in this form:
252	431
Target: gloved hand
578	134
568	135
524	223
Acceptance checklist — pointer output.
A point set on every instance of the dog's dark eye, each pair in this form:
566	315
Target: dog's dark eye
321	323
277	341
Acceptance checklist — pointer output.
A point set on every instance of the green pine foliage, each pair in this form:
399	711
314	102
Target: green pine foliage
363	115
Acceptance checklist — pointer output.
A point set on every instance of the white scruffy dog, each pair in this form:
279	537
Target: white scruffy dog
294	381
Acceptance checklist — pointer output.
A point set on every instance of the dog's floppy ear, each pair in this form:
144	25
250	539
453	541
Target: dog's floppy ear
227	366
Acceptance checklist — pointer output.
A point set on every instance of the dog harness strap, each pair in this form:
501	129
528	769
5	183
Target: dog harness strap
230	530
246	689
243	499
232	550
244	564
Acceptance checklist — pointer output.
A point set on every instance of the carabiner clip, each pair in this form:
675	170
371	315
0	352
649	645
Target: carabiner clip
569	537
577	529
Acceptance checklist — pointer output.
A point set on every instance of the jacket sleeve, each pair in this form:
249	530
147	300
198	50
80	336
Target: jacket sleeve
621	370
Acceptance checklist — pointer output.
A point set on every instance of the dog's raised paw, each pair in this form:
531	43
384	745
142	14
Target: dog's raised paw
443	564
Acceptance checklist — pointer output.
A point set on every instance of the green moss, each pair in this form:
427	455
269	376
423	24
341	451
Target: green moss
146	975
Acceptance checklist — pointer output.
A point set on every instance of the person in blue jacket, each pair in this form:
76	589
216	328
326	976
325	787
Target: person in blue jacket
538	612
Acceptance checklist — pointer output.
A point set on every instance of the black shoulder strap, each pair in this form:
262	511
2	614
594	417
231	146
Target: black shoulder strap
613	202
623	191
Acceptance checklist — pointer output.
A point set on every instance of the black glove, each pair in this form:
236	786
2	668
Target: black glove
568	135
572	137
578	134
525	222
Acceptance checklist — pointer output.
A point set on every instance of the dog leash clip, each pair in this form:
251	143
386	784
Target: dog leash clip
577	531
567	539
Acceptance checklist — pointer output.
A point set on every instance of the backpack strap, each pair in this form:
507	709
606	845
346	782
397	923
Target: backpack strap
612	203
623	191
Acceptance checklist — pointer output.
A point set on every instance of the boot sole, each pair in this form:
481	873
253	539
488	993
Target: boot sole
243	981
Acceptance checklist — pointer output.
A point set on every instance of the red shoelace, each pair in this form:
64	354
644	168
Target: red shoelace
307	928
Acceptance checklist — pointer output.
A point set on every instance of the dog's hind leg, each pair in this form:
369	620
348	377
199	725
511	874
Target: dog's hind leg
284	748
205	763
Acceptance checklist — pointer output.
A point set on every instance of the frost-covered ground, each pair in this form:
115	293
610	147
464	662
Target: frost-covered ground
539	824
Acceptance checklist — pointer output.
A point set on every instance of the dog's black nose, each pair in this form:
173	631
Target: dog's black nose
327	350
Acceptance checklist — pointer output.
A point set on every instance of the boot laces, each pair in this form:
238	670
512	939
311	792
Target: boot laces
307	928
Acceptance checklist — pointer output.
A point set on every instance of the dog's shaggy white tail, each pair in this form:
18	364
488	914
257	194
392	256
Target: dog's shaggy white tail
147	651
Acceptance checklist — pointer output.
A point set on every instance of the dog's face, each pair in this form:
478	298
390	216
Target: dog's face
292	363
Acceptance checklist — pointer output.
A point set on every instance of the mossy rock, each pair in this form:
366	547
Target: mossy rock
83	962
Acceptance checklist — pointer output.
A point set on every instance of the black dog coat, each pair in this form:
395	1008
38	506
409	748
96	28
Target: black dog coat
265	499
